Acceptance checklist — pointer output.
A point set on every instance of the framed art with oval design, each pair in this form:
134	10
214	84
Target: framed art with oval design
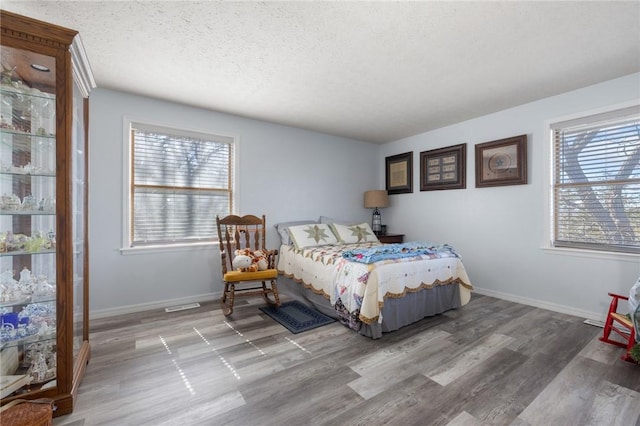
502	162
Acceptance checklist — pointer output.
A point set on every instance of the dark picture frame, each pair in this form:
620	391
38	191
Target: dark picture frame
502	162
399	173
444	168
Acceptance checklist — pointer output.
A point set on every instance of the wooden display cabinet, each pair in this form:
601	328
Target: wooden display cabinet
44	283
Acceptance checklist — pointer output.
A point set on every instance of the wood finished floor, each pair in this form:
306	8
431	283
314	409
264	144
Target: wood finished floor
492	362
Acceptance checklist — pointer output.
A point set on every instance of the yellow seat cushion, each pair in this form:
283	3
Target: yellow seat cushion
235	276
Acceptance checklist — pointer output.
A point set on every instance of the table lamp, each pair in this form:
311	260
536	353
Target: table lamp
373	200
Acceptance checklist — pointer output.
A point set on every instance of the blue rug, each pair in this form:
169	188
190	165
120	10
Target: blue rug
297	317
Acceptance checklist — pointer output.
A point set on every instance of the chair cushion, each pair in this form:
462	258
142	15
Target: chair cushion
236	276
623	319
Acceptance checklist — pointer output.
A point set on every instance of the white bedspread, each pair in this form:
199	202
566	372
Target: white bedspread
364	287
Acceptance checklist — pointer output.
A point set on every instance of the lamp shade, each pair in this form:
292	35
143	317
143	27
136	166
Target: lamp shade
376	198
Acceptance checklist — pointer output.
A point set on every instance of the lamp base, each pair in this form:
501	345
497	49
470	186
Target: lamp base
376	221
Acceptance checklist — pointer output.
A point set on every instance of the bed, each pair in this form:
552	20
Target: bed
372	287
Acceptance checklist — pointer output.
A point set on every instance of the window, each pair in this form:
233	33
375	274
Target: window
180	181
596	182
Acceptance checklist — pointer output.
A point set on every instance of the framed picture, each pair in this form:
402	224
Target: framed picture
399	170
502	162
444	168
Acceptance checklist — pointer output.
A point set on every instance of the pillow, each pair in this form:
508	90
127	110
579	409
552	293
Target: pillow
360	233
284	234
311	235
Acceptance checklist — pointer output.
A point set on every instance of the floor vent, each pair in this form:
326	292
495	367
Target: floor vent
182	307
595	323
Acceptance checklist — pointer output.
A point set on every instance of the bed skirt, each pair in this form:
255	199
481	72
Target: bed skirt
396	312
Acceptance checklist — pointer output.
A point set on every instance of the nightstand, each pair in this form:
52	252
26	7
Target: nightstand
391	238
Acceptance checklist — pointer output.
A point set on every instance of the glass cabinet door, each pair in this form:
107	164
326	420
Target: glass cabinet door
28	274
78	171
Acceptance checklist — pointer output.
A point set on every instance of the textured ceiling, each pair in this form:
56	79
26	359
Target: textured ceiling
373	71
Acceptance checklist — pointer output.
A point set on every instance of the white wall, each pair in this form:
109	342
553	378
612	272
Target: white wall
500	232
284	172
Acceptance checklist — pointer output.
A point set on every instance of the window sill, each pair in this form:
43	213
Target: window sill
128	251
592	254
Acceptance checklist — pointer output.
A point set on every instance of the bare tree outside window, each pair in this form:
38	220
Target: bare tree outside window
597	184
180	182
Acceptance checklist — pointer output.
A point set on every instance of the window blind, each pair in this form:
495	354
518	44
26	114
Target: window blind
596	194
180	181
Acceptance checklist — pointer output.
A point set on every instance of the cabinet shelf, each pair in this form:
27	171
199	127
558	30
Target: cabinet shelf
16	132
36	338
18	93
27	175
24	252
25	213
27	300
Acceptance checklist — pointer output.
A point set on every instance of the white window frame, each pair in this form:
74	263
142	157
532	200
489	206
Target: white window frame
549	164
127	167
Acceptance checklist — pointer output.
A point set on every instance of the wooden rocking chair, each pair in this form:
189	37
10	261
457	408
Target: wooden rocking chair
621	324
246	232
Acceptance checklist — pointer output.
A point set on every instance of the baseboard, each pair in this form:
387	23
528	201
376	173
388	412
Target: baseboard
161	304
595	316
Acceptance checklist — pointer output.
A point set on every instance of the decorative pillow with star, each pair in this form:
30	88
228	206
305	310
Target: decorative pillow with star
283	229
311	235
348	234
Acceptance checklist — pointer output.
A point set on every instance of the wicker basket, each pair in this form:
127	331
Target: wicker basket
23	412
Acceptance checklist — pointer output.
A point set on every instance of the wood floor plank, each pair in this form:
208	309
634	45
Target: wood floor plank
603	353
283	397
468	359
466	419
402	404
614	405
514	381
204	413
394	354
383	369
565	399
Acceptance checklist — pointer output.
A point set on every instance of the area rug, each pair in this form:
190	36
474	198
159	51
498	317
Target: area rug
297	317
